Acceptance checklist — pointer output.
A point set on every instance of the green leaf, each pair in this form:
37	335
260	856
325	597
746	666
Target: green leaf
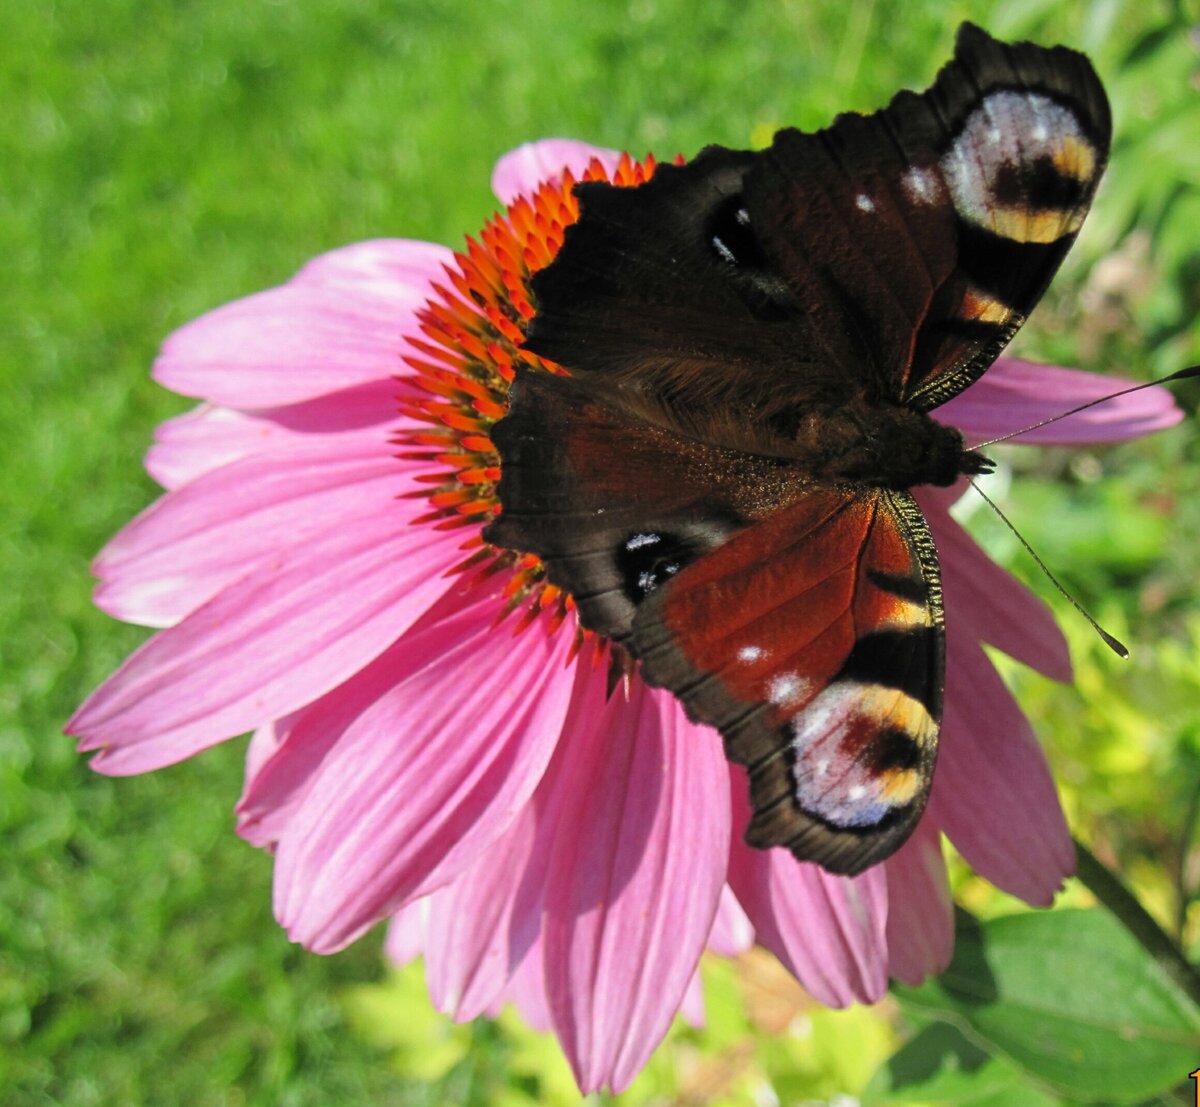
940	1065
1070	998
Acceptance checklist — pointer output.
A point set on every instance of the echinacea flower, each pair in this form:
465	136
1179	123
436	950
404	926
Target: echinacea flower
434	738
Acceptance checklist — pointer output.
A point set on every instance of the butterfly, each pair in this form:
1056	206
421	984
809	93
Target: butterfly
754	342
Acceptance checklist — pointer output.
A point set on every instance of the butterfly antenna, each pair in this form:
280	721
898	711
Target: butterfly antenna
1182	374
1113	644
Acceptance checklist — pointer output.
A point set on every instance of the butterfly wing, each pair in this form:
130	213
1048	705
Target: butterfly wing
704	317
803	621
814	642
890	256
613	506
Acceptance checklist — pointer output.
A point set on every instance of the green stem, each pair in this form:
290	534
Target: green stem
1104	885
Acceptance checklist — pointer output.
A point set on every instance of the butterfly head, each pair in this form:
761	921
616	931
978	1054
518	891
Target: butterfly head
974	464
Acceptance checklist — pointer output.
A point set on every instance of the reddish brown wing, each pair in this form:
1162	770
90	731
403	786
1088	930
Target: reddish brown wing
890	256
813	641
801	620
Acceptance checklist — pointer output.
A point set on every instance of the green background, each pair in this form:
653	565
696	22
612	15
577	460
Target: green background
158	159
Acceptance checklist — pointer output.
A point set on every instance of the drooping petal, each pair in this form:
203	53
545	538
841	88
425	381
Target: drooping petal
732	932
424	781
993	794
471	953
341	321
405	940
189	545
633	883
526	990
1015	394
278	779
292	629
992	600
829	931
691	1007
208	437
920	925
520	171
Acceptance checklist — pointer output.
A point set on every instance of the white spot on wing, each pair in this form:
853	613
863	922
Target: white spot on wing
749	654
920	186
786	689
637	541
724	250
864	202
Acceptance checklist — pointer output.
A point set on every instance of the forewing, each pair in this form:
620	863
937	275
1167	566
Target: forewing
813	641
889	256
948	212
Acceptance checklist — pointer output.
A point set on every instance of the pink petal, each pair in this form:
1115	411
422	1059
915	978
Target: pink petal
1015	394
283	635
405	940
989	599
732	933
993	795
920	925
263	744
424	781
472	950
633	884
691	1009
196	541
341	321
520	171
277	781
208	437
526	990
829	931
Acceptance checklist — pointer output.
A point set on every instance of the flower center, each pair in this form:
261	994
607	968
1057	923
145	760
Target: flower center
472	331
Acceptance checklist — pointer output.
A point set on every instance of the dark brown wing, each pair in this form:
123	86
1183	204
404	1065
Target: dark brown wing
889	256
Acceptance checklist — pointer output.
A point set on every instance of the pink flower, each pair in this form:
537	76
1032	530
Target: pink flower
317	568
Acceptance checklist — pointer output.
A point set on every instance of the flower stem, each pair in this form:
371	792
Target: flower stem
1104	885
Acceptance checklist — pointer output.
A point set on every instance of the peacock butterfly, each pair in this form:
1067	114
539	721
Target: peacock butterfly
754	343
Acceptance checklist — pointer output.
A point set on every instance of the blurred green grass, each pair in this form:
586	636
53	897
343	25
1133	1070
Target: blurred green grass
158	159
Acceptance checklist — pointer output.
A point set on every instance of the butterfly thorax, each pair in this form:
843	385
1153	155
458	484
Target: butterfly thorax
884	445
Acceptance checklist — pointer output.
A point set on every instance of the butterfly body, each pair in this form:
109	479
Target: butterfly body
755	342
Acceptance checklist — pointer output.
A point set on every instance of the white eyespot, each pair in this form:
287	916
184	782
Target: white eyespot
749	654
1013	131
864	202
647	582
742	216
637	541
